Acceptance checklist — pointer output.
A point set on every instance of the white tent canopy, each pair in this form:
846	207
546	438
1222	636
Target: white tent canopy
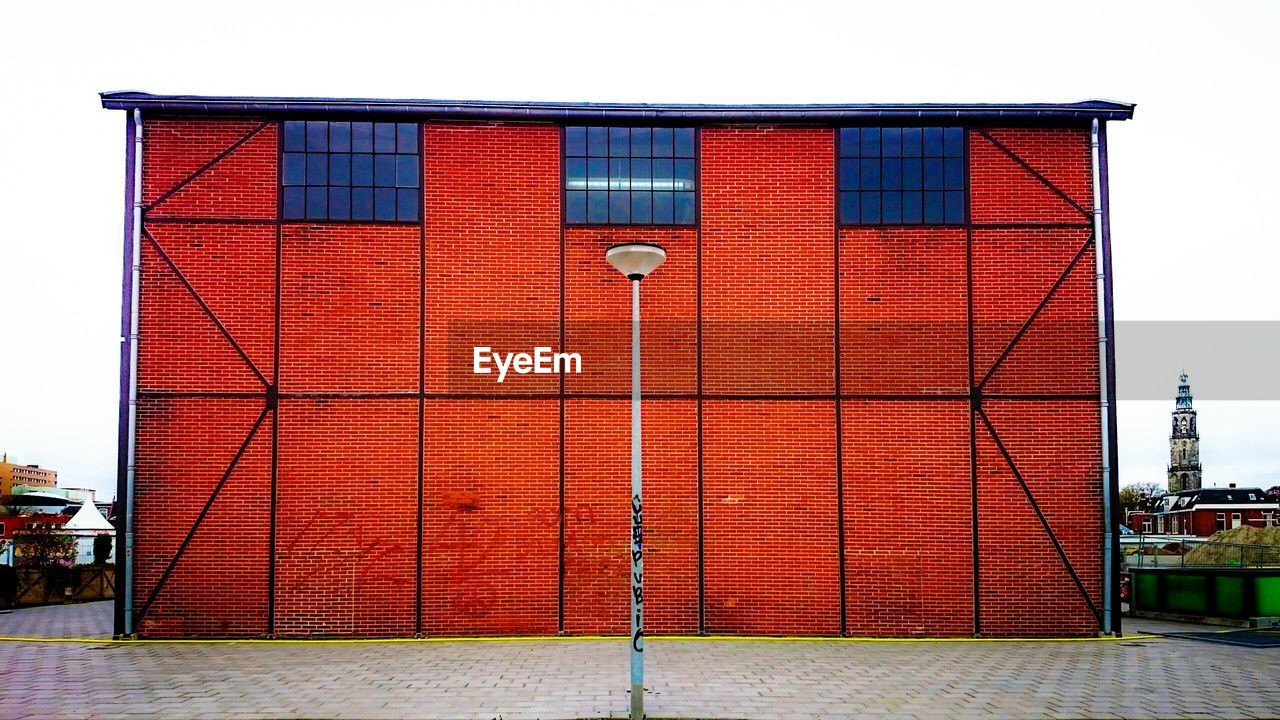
87	520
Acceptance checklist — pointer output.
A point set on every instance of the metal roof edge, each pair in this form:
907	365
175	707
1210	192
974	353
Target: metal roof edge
586	111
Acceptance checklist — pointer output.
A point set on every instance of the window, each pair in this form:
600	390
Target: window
1268	519
902	176
1220	522
351	171
1235	520
1160	524
630	175
1146	526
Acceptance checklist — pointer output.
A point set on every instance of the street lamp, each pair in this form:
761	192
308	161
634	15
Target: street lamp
636	261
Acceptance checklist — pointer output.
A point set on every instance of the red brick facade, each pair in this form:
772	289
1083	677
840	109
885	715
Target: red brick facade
503	509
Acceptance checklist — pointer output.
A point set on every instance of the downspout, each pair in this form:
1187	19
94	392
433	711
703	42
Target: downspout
131	458
1104	394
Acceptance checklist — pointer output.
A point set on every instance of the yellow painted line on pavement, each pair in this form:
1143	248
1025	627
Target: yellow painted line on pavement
568	638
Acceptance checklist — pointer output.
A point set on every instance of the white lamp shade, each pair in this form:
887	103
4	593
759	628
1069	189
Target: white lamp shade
635	260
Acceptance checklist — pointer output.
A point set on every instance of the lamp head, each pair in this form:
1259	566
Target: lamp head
635	260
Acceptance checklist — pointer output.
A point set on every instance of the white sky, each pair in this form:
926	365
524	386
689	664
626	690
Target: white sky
1195	178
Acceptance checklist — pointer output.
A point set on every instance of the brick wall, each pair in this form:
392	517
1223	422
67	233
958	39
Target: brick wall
745	461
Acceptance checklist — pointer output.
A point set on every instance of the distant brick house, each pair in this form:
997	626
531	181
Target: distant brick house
1204	511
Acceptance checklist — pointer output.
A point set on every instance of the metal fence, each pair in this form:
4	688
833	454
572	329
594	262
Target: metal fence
1192	552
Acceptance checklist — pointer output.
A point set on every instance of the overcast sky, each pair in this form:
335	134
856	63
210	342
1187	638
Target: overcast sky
1195	177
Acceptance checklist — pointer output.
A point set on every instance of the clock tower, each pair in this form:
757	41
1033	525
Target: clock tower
1184	443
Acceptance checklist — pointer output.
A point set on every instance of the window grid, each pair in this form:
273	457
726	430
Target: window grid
359	171
630	175
902	176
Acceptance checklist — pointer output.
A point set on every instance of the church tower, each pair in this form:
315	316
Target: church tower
1184	443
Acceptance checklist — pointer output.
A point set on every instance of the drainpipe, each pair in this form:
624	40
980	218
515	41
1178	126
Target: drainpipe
135	272
1104	395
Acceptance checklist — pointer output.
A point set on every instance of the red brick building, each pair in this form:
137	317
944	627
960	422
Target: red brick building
872	318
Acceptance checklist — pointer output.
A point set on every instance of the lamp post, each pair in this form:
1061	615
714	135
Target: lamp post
636	261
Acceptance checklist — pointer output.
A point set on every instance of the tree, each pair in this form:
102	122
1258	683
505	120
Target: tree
1273	493
39	545
1135	496
101	548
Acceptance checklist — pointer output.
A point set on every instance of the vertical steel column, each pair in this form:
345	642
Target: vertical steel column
131	466
1104	396
637	518
119	508
1117	558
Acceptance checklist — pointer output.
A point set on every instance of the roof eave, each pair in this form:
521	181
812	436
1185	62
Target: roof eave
619	112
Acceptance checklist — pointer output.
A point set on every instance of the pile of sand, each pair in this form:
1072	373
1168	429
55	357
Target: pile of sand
1228	547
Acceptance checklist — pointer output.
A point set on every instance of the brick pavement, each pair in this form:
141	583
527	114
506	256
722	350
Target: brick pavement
569	679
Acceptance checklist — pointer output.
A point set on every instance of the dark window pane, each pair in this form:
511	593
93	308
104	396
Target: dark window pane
953	142
911	212
684	213
933	142
663	208
620	174
870	207
891	142
406	138
362	170
870	172
598	174
684	175
891	207
598	207
870	146
641	207
955	207
575	141
849	142
317	136
575	206
295	169
384	203
317	202
848	174
954	174
662	142
295	135
932	174
619	142
317	169
407	204
912	174
933	207
362	203
362	137
911	142
295	202
642	174
339	203
575	173
663	174
339	137
620	207
407	171
598	141
339	169
384	139
850	205
384	171
684	142
891	174
641	143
